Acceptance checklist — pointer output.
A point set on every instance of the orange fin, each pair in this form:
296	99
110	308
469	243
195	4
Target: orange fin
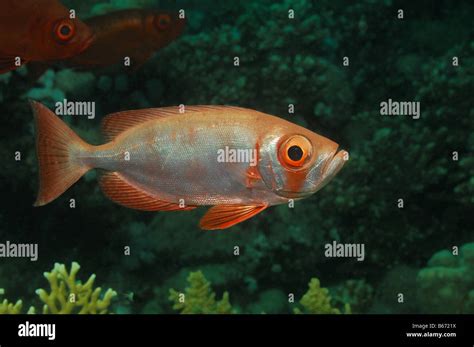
57	148
118	189
116	123
225	216
216	108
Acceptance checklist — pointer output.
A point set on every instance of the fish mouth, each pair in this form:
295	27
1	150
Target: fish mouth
87	43
332	166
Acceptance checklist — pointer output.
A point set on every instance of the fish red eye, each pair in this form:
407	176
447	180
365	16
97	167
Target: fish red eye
163	21
64	30
295	151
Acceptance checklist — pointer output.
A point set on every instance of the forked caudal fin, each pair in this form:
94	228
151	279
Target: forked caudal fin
57	148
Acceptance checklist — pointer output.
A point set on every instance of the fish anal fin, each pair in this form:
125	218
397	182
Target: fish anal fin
225	216
119	190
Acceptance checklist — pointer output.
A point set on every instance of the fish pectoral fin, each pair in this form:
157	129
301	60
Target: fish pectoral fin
118	189
225	216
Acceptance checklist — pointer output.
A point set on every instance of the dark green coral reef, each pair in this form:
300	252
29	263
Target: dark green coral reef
422	249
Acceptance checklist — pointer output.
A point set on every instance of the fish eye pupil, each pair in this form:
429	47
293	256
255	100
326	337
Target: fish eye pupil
65	30
162	22
295	153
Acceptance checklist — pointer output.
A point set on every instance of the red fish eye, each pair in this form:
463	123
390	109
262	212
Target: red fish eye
163	21
64	30
295	151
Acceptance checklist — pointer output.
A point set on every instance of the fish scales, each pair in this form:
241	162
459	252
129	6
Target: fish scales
176	158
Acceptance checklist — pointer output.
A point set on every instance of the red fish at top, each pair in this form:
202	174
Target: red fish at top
33	30
134	33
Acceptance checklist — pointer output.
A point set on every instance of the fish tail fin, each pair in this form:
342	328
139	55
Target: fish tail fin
58	149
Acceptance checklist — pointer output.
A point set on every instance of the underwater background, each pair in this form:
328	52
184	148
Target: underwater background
409	250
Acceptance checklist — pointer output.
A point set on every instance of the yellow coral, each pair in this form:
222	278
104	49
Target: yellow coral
10	308
7	307
199	297
318	301
70	296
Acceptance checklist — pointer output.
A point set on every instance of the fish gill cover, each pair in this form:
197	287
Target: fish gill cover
389	81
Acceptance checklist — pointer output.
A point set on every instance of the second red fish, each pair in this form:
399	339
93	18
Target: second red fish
136	34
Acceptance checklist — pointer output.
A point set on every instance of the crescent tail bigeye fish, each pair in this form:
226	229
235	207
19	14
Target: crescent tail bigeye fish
163	160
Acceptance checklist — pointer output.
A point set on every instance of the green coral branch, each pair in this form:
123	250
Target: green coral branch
7	307
318	301
199	297
66	295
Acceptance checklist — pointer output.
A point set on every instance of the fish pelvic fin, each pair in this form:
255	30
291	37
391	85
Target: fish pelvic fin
57	149
225	216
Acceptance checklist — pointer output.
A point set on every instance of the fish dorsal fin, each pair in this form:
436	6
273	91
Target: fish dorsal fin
118	189
116	123
225	216
215	108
